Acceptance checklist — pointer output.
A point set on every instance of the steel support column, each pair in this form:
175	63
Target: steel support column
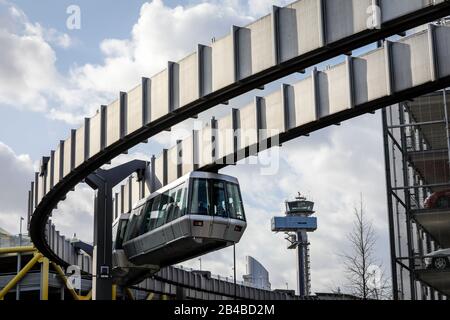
302	278
406	182
44	279
390	204
103	181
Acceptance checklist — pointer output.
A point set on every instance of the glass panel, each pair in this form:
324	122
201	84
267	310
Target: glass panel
301	205
235	206
162	210
121	233
146	217
178	202
154	213
114	233
183	201
133	227
199	200
171	206
218	199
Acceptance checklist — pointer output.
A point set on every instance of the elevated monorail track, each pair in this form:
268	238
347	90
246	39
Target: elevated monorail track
235	65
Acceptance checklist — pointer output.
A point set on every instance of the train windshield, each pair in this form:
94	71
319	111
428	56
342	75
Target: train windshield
216	198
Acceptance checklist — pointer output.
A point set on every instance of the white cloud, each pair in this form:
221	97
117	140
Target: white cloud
161	34
76	214
14	183
29	78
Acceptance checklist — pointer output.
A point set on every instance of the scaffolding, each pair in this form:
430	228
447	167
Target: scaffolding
417	146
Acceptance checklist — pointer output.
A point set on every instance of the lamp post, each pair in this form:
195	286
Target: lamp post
200	260
234	270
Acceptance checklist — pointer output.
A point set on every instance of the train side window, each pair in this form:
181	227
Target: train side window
199	200
135	232
184	197
178	202
170	211
235	202
122	227
162	210
145	222
154	213
218	199
130	227
114	233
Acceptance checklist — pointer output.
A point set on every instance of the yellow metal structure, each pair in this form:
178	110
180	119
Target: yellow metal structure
63	277
114	292
17	249
20	275
44	278
129	293
45	269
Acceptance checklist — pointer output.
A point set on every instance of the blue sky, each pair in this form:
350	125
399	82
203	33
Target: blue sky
69	73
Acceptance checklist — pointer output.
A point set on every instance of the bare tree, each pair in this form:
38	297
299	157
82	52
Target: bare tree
366	279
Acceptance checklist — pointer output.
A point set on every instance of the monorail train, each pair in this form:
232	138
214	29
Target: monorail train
199	213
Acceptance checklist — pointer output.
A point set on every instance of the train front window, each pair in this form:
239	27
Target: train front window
199	200
218	199
235	202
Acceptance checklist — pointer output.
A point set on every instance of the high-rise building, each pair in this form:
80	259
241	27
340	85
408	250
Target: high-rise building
257	276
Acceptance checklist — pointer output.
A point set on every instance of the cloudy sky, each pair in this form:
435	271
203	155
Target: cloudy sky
52	76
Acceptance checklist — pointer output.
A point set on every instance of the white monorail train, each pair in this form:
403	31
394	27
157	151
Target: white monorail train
199	213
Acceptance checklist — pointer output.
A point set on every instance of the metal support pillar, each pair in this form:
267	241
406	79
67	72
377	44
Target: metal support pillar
302	276
447	125
406	182
103	181
234	271
395	295
44	279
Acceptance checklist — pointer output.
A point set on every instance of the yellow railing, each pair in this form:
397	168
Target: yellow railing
45	263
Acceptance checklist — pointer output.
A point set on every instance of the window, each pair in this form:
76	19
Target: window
133	227
301	205
154	213
199	200
171	205
122	227
218	199
162	210
145	222
235	202
177	203
181	201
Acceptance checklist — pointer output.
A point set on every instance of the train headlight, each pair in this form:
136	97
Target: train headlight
238	228
198	223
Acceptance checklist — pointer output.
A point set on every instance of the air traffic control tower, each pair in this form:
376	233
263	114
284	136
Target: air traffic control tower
296	223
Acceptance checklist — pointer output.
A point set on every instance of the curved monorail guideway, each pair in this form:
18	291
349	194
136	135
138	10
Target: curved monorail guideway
289	40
